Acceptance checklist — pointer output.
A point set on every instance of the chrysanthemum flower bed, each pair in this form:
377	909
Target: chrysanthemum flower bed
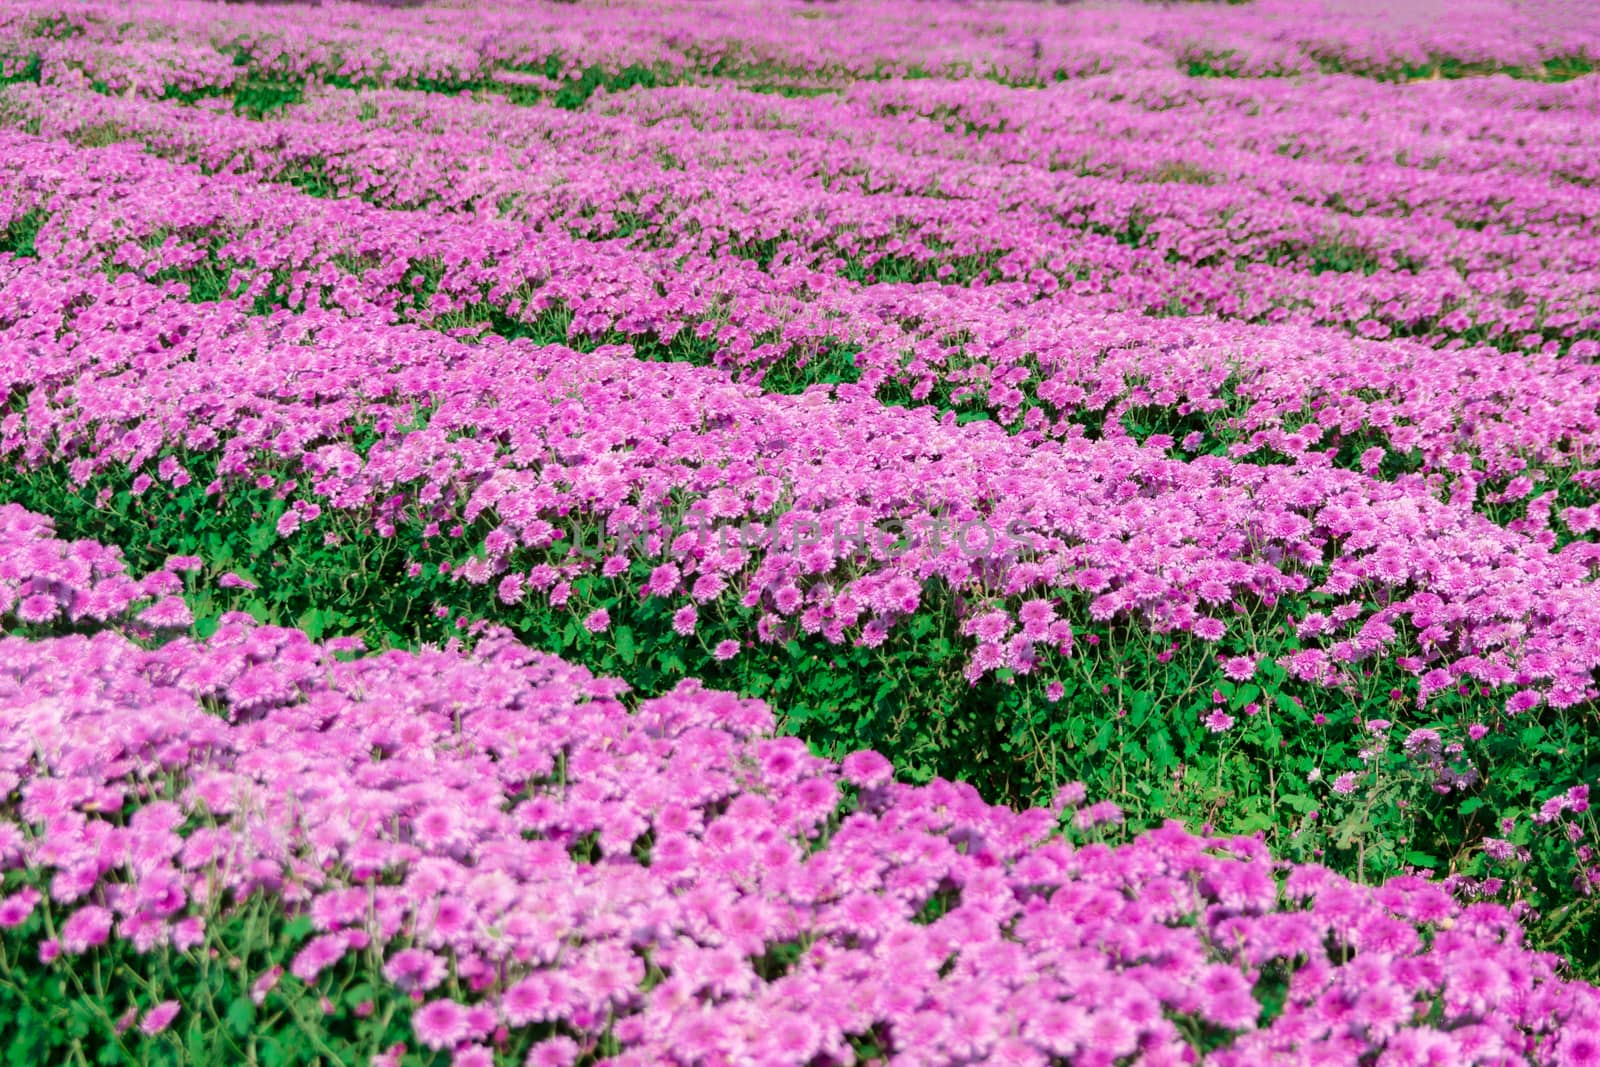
416	486
1469	422
1195	402
256	848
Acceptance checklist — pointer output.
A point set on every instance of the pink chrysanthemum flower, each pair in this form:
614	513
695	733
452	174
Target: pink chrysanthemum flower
159	1017
683	620
15	909
85	928
472	1056
168	613
867	768
37	609
1240	668
440	1024
510	589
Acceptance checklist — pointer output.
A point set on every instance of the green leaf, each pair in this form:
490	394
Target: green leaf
272	1053
359	992
241	1016
197	1046
314	622
1161	752
298	928
1251	823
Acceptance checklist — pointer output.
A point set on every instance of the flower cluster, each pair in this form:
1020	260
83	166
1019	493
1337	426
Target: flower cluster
547	445
1479	417
48	584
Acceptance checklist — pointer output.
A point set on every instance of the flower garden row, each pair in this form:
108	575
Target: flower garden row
1016	44
862	565
253	847
1231	251
925	342
1490	428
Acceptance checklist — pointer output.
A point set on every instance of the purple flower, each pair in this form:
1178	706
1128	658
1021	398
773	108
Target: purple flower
1099	814
85	928
318	955
37	608
16	908
867	769
159	1017
663	580
683	620
415	970
440	1024
510	589
168	613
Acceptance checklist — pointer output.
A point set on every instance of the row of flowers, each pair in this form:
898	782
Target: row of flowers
819	512
536	865
1018	45
1493	430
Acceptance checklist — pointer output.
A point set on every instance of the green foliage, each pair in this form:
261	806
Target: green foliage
1228	63
85	1009
1437	66
29	70
18	235
576	92
261	98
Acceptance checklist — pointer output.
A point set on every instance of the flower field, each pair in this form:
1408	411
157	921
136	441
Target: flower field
816	533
